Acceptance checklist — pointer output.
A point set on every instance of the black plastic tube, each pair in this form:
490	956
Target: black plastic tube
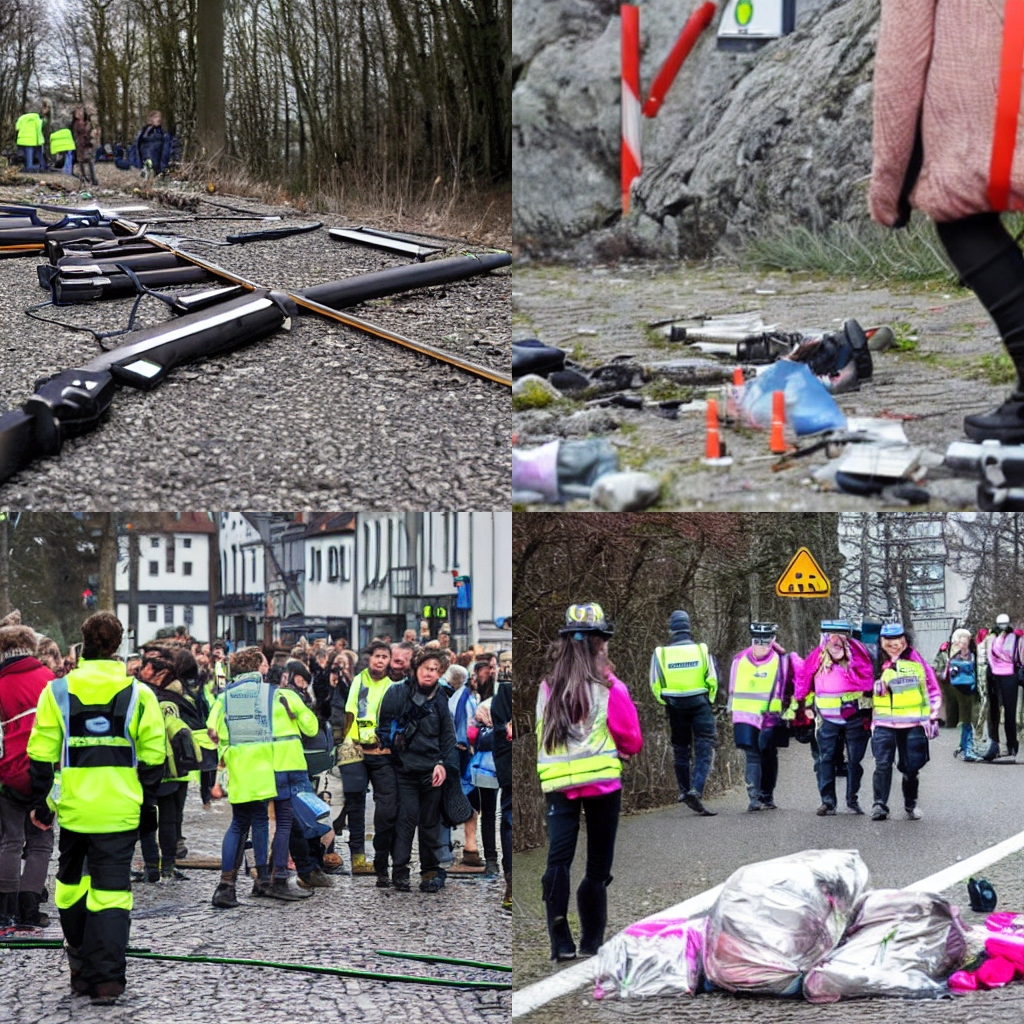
83	266
71	288
340	294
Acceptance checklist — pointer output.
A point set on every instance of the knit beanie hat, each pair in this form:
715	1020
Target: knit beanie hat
16	642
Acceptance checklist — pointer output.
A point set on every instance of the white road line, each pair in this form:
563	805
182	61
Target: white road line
530	998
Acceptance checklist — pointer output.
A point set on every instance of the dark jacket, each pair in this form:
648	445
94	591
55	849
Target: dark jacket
501	715
418	730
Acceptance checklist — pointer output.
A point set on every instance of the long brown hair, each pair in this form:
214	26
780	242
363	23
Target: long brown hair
575	665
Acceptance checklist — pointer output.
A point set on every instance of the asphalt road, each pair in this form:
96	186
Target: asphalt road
318	416
666	856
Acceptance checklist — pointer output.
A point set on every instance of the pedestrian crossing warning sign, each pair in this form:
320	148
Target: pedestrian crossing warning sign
803	578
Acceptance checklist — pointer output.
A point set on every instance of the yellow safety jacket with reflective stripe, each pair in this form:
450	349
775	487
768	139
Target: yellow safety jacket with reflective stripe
30	130
684	672
363	704
906	697
589	756
109	734
754	685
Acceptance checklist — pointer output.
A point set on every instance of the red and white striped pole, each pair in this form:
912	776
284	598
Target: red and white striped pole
631	116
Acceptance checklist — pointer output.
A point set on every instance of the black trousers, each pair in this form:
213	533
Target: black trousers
168	808
93	896
506	830
381	770
1002	693
419	805
991	264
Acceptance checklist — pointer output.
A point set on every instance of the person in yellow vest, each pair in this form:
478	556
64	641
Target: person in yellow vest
62	148
105	733
586	726
29	130
684	679
905	715
361	712
758	681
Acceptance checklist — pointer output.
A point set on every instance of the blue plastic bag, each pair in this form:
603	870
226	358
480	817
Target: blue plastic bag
482	770
810	409
312	814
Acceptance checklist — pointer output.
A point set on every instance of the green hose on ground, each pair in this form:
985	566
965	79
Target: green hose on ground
344	972
444	960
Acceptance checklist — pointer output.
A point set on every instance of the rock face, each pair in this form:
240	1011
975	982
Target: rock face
744	142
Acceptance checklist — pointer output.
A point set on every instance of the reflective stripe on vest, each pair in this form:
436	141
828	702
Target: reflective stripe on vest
907	699
837	700
249	709
1004	137
755	687
97	735
588	757
683	670
366	718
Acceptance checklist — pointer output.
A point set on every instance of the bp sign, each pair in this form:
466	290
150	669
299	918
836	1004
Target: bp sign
749	24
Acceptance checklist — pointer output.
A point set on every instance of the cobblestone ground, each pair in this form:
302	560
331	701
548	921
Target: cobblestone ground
340	927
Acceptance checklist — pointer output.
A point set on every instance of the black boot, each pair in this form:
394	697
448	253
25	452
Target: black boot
28	911
592	903
1005	424
555	885
225	897
8	912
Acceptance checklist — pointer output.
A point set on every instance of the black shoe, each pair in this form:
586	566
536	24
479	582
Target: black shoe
562	945
879	813
105	993
285	889
769	804
400	885
383	882
435	883
224	896
825	809
693	801
1004	424
992	753
261	886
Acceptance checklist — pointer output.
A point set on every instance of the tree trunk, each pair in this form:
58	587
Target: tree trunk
108	563
5	578
210	126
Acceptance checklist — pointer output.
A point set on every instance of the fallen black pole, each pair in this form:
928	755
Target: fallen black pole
70	288
82	265
340	294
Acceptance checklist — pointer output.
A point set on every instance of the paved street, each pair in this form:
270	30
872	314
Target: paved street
340	927
665	856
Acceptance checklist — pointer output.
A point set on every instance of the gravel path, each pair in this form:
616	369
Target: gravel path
603	312
322	415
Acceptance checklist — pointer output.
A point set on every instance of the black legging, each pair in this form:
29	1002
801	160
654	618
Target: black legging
991	264
1002	692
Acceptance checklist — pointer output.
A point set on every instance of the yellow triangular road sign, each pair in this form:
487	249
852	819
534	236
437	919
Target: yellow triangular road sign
803	578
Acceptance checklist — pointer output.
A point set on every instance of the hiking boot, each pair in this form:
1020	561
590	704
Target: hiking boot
383	882
400	885
769	804
472	859
105	993
992	753
261	884
854	807
825	809
432	883
8	913
362	866
693	801
879	813
285	889
1005	424
913	814
491	868
315	879
174	875
224	896
181	850
78	986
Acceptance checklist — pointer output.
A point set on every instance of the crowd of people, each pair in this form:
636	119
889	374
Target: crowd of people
107	748
45	144
851	691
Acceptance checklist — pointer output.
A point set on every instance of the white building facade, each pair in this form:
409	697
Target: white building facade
242	604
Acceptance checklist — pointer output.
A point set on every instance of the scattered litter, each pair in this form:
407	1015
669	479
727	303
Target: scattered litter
532	356
560	470
810	409
663	956
586	332
626	492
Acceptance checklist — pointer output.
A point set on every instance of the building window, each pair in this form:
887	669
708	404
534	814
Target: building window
346	566
254	566
151	612
332	564
154	542
168	614
154	568
319	565
186	568
170	554
187	542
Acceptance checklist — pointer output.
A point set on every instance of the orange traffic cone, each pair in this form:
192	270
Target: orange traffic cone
777	443
737	377
734	394
712	446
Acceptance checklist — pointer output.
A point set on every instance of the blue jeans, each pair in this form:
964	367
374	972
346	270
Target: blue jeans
692	723
286	782
762	756
912	747
830	734
29	153
243	817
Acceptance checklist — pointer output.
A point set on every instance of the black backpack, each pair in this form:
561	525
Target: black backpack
982	895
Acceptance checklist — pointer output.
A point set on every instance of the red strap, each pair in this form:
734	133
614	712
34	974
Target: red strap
1011	73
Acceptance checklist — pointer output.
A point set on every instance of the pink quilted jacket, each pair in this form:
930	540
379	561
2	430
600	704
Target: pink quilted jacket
940	60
